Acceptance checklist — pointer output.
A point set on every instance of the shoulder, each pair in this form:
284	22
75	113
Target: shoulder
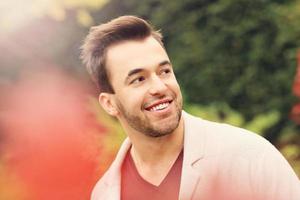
222	136
241	158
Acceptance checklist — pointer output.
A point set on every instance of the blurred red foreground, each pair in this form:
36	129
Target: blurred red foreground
295	112
49	139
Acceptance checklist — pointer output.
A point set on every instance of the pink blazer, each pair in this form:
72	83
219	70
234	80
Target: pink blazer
221	162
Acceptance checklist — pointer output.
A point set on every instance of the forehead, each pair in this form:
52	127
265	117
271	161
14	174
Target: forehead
128	55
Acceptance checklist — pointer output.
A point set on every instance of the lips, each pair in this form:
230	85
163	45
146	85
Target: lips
158	105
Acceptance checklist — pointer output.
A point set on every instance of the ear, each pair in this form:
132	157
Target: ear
107	102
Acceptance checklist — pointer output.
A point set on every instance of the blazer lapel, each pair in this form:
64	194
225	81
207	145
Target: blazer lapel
189	181
193	153
113	182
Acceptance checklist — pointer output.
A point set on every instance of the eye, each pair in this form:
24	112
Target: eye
137	80
165	71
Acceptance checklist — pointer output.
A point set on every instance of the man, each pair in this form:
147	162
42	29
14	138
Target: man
170	154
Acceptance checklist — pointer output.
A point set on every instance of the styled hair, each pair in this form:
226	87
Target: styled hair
101	37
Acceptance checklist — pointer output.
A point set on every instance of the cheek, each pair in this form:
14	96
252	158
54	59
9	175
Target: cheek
175	86
132	100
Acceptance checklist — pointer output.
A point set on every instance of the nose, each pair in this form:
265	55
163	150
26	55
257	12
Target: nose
157	86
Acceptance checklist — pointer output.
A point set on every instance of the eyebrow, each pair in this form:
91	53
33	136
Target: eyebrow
138	70
134	71
165	62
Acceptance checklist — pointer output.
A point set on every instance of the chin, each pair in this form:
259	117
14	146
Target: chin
164	129
158	133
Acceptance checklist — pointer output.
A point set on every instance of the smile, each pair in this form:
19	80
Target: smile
160	106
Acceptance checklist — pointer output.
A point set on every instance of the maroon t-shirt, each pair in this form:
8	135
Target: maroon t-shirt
134	187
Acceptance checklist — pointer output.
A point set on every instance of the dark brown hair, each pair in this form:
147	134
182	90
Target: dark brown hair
101	37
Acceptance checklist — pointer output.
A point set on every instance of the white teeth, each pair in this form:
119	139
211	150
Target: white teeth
160	106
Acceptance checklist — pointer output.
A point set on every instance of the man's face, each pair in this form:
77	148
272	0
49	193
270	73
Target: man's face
147	95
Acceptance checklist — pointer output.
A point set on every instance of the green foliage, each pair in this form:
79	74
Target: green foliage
289	143
216	112
262	122
223	113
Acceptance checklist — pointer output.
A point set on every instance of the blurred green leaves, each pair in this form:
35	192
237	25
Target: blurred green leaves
224	114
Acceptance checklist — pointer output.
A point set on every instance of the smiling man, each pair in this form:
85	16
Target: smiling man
170	154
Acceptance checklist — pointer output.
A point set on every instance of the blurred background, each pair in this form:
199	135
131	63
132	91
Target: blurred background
237	62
